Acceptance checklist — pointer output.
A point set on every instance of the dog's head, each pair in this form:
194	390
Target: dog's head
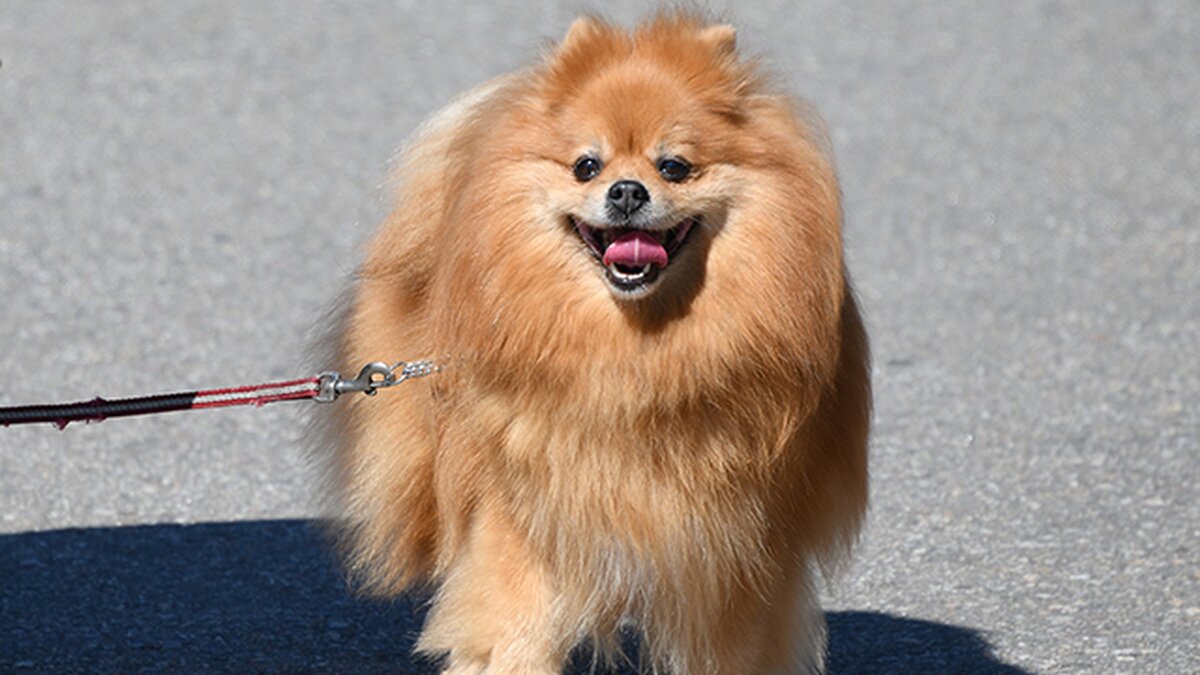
641	128
632	179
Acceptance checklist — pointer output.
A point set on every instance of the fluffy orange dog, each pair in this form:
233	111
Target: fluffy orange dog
657	404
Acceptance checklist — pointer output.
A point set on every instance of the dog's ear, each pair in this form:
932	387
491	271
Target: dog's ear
581	28
721	37
591	43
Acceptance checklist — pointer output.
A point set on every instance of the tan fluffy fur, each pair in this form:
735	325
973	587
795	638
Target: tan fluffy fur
687	461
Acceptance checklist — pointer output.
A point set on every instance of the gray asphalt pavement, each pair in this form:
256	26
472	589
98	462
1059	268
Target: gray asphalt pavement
184	186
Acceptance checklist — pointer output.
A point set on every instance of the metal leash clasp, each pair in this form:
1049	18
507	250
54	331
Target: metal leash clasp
373	377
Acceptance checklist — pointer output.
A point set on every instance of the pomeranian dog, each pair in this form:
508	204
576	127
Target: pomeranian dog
655	402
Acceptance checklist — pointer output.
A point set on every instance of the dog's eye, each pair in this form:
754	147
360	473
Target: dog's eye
586	168
673	169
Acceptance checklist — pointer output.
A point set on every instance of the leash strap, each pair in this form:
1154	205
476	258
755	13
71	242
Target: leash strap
324	388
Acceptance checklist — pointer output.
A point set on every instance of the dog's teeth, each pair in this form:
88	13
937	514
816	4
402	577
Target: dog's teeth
622	274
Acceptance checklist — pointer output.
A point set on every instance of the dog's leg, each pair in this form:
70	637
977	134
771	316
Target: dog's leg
496	612
779	631
787	628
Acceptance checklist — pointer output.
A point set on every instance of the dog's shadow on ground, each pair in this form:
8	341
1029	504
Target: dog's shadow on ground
266	596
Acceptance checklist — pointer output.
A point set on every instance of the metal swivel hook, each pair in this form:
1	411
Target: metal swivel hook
373	377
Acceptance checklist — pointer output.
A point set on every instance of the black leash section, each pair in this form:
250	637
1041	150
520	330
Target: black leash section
324	388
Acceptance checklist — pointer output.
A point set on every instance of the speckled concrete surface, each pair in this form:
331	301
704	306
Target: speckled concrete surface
183	187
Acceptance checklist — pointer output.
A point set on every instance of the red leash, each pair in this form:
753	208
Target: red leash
325	387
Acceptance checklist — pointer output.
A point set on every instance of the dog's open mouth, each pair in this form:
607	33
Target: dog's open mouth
633	257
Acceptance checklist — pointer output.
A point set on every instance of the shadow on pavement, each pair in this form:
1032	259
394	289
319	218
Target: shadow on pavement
267	596
870	642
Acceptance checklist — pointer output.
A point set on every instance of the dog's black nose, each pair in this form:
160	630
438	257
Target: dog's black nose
627	196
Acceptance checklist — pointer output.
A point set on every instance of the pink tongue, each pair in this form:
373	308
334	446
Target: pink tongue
636	249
